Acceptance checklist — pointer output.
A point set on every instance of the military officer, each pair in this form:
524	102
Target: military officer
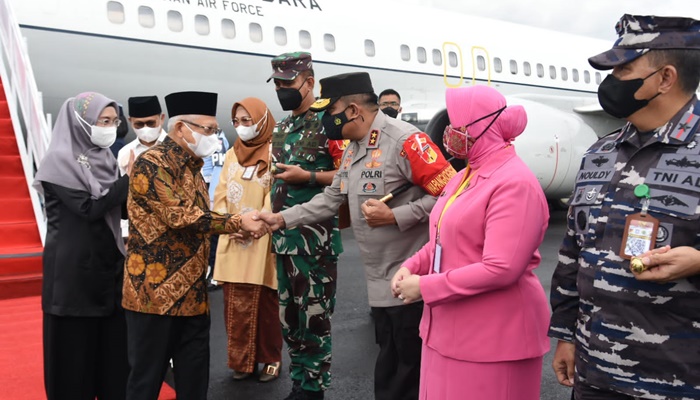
631	333
307	257
385	158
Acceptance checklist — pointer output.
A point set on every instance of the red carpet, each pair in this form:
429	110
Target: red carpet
21	365
21	247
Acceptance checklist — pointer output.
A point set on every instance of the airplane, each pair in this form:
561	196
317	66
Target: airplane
124	48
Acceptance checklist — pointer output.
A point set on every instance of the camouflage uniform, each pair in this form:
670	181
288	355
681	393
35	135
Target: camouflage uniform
307	256
633	337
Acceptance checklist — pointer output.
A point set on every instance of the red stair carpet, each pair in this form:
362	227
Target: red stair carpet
20	247
21	361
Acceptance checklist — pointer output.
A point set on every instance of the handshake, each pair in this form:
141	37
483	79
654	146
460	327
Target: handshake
257	224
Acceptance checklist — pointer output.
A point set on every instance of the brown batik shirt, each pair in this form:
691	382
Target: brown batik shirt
170	226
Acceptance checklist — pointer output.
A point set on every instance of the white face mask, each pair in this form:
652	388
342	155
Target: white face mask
203	146
246	133
101	136
148	135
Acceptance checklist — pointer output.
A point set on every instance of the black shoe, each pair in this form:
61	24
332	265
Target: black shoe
296	393
311	395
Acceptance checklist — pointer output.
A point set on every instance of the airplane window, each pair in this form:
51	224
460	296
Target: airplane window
146	17
255	32
481	63
175	21
280	36
586	76
369	48
513	67
552	72
329	42
564	74
540	70
453	58
421	55
598	79
405	53
228	28
437	57
115	12
497	65
201	24
305	39
574	74
526	68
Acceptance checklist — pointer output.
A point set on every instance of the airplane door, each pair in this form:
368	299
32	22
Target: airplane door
481	65
452	64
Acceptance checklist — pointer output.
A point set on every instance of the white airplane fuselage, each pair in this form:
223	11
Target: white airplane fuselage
130	48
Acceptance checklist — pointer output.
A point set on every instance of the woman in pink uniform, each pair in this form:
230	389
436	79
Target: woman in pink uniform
484	325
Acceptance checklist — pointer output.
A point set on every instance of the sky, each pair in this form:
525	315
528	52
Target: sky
595	18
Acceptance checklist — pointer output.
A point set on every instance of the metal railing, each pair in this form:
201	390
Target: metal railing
25	104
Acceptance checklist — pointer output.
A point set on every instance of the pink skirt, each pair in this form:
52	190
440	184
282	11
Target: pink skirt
443	378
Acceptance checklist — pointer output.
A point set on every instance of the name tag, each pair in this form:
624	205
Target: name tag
438	258
639	235
249	172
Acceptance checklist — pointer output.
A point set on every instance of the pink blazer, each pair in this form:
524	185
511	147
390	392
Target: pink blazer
486	304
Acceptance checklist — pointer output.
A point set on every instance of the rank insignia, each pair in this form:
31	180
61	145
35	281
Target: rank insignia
373	138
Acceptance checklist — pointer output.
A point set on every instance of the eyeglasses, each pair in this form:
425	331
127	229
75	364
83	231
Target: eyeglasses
389	104
208	130
141	124
109	122
245	121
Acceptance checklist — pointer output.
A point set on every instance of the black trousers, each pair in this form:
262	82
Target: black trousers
397	371
583	391
85	357
154	340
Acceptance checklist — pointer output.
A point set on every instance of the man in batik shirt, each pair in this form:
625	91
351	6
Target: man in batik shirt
165	296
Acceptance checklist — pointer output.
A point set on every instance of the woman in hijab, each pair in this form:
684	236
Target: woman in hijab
484	325
84	326
245	266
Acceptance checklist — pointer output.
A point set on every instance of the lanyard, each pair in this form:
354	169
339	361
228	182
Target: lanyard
466	178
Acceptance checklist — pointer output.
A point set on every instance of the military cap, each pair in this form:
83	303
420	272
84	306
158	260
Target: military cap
288	65
641	33
337	86
144	106
191	103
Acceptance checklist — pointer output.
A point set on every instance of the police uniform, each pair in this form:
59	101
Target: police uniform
634	338
392	155
307	256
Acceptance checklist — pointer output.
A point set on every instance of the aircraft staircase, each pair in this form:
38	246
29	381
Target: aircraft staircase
20	246
24	138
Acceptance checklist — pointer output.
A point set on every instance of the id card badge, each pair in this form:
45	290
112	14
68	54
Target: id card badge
438	257
249	172
639	235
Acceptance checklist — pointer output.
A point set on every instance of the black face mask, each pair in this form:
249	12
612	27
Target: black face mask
390	111
333	124
290	98
617	96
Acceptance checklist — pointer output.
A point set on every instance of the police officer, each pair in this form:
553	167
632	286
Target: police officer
637	189
307	257
386	158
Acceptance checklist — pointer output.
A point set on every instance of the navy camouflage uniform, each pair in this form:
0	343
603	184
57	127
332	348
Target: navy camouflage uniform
307	256
634	337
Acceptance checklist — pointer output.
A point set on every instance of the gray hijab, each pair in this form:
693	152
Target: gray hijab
72	161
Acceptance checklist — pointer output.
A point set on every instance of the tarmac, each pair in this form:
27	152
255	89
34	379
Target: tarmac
354	349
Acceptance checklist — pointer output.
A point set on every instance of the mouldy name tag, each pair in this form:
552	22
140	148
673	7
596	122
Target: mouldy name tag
640	228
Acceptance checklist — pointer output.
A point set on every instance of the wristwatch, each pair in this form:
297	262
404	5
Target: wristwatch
312	178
